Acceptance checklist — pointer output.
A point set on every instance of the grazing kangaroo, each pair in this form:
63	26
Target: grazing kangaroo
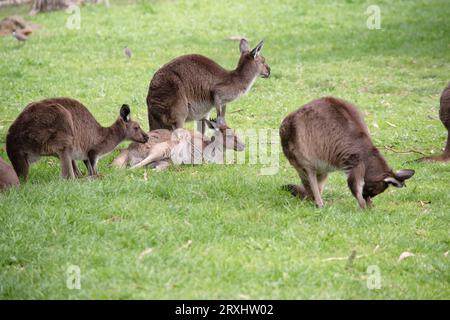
188	87
65	128
8	177
158	151
444	115
329	134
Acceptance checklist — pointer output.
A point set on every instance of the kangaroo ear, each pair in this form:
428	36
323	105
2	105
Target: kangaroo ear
255	52
125	112
396	183
404	174
244	46
398	180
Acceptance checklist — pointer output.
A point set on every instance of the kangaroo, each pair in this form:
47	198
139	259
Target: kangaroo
444	116
65	128
188	87
164	145
329	134
8	177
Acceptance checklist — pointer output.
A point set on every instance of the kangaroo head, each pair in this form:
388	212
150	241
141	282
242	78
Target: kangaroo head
376	185
253	59
133	131
224	133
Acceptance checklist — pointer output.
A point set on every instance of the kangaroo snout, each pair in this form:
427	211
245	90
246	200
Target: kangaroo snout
137	134
266	72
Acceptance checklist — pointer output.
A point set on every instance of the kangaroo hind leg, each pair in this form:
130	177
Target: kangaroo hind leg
66	164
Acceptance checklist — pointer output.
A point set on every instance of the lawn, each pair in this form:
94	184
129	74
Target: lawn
228	231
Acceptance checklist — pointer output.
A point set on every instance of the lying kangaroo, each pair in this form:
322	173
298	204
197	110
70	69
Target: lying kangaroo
329	134
186	88
444	115
65	128
160	148
8	177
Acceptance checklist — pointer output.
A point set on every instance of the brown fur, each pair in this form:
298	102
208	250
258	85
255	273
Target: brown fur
188	87
329	134
65	128
8	177
162	141
444	116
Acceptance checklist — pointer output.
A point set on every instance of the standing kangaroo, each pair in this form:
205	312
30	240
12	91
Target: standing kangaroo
444	116
188	87
158	151
329	134
8	177
65	128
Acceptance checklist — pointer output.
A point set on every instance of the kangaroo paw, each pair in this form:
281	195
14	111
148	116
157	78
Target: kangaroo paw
296	190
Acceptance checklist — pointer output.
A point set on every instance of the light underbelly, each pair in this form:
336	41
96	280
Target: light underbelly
198	110
79	155
324	166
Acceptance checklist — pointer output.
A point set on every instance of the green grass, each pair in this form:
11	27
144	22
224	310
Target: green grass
249	238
